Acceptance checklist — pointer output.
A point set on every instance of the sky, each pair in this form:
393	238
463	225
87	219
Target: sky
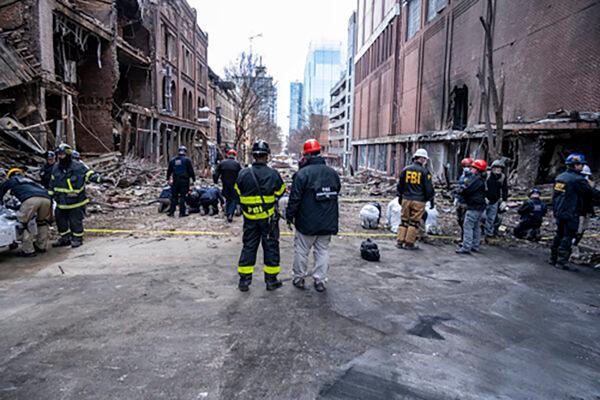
287	28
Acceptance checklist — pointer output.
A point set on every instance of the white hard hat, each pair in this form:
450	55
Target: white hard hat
421	153
586	170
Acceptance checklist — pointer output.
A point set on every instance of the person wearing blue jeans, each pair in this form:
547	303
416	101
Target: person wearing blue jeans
474	195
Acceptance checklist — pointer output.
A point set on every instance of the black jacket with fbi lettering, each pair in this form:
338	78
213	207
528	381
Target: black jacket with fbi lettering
415	184
313	203
571	193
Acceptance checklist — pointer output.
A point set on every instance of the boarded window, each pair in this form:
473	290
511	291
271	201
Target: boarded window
414	18
393	160
362	156
382	158
434	7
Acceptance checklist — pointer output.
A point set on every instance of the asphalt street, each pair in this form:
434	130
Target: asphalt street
161	318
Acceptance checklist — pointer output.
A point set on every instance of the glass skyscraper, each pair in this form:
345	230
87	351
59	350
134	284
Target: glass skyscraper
322	70
295	106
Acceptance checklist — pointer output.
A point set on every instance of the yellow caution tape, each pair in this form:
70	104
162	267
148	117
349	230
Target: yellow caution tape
159	232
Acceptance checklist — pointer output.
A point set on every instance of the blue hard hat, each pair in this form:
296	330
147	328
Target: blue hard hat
536	191
182	149
575	158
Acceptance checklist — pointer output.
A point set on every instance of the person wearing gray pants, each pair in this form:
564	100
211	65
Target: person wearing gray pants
302	245
313	209
472	231
475	196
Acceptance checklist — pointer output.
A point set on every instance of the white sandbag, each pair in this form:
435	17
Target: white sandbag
394	212
369	216
431	223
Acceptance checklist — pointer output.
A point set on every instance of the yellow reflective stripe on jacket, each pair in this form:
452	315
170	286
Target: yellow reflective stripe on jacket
272	270
281	190
237	189
257	200
246	270
88	174
69	184
262	215
70	190
72	206
51	192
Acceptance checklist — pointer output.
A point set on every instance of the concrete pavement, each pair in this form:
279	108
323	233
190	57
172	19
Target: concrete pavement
155	318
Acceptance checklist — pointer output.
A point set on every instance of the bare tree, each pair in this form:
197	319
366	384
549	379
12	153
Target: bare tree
488	86
267	130
311	129
245	73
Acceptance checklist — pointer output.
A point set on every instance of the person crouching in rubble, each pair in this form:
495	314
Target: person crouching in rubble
532	214
35	203
164	199
209	200
474	195
459	201
415	188
497	187
67	187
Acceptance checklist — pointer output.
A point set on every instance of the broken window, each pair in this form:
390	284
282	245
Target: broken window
190	106
169	47
434	7
173	97
414	18
393	160
459	105
382	158
371	156
362	156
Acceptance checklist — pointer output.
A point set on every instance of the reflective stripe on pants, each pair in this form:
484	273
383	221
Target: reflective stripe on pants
256	233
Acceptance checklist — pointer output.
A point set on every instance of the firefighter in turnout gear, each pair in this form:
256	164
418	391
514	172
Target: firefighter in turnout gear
180	173
259	188
67	187
414	190
571	192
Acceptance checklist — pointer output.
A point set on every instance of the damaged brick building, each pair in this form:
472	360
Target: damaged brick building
120	75
416	83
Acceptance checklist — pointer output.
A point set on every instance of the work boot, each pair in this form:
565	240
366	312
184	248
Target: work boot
272	282
320	287
230	218
462	251
410	246
563	261
183	215
170	214
76	242
245	281
39	249
62	242
400	245
299	283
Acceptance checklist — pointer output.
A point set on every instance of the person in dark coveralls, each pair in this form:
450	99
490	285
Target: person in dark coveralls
497	192
228	171
180	173
35	203
532	214
67	187
415	188
475	197
313	209
459	202
571	193
259	188
46	170
210	198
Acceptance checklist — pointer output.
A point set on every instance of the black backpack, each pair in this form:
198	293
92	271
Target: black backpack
369	250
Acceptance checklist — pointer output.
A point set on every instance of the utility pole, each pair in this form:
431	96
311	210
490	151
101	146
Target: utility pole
251	38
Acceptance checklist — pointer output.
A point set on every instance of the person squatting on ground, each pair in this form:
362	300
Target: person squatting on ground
179	174
497	192
459	201
46	169
313	209
415	188
228	170
205	200
532	214
67	188
259	188
474	195
164	199
35	203
571	192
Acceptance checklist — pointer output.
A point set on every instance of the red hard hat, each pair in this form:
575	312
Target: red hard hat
467	162
232	152
311	146
480	165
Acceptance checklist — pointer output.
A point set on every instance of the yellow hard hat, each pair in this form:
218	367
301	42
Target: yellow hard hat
14	170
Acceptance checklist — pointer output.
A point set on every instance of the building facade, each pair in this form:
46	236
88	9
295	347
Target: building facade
295	106
267	91
221	106
322	70
124	75
340	105
416	82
